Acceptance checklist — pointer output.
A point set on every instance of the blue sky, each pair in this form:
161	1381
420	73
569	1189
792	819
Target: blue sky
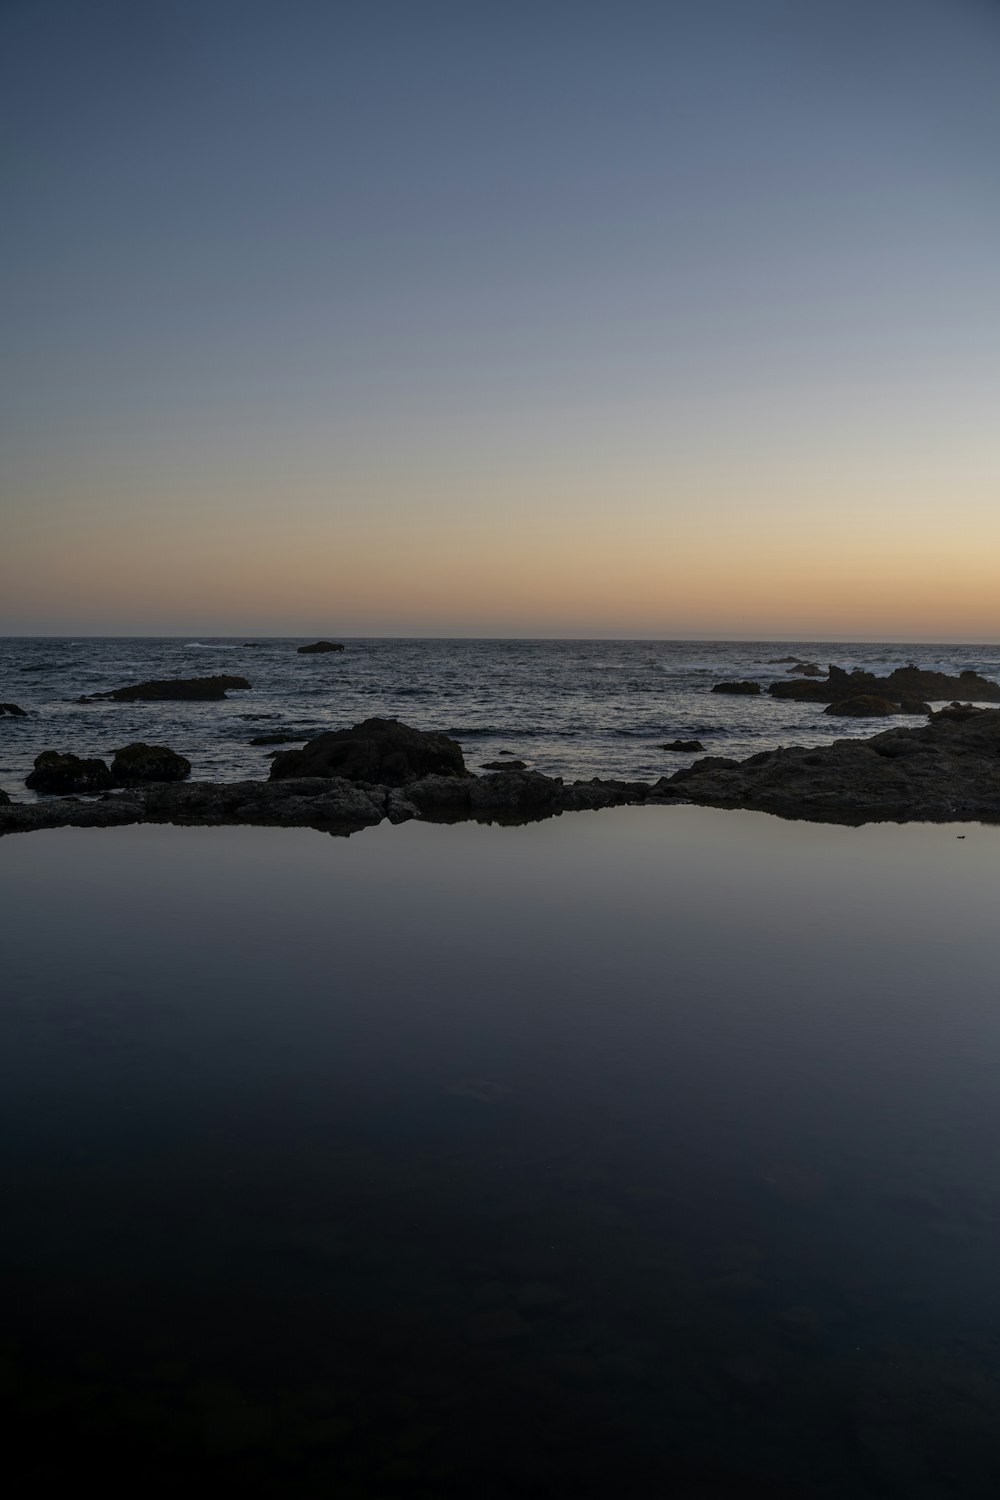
466	318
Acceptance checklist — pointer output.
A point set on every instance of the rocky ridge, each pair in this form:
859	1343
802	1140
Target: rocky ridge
947	769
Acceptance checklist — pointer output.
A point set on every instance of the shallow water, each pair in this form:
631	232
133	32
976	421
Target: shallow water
644	1153
569	708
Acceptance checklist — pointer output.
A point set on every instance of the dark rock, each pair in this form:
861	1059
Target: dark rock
780	661
744	688
957	712
868	706
56	774
4	799
504	765
806	669
688	746
251	645
594	794
707	763
11	710
903	683
948	768
318	648
382	751
511	789
276	739
140	763
865	706
194	689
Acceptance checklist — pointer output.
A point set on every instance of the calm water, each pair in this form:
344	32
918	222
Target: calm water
569	708
648	1153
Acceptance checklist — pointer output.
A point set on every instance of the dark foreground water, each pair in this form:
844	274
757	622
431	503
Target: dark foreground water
650	1153
568	708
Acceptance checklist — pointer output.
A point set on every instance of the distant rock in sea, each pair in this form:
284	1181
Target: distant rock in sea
318	648
12	711
742	688
685	746
193	689
869	706
904	683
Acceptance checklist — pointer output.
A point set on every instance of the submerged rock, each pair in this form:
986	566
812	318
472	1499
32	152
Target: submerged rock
318	648
743	688
12	711
57	773
276	739
194	689
141	762
382	751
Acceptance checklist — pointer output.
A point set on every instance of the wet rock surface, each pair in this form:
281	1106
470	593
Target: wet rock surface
12	711
688	746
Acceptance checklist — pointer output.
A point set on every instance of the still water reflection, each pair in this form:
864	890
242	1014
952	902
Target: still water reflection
650	1153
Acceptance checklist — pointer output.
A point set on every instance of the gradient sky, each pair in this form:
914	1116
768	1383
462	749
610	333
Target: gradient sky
548	317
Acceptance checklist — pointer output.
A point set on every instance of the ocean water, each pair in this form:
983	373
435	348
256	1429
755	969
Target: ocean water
645	1155
568	708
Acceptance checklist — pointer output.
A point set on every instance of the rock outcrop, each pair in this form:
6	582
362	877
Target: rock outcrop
382	751
687	746
11	711
947	769
58	774
866	706
193	689
318	648
140	763
742	688
904	683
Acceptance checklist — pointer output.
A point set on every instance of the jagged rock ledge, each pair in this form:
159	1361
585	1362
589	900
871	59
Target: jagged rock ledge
945	770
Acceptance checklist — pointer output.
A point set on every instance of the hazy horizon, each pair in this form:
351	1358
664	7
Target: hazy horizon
645	321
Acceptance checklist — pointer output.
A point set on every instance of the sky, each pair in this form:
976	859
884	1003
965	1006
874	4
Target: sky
636	318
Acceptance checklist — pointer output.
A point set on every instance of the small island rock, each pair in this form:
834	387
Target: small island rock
140	763
684	746
59	774
383	752
181	689
318	648
743	688
11	710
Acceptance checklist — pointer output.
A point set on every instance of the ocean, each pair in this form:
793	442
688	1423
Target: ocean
569	708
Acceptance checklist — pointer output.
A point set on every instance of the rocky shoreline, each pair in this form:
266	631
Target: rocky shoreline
945	770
